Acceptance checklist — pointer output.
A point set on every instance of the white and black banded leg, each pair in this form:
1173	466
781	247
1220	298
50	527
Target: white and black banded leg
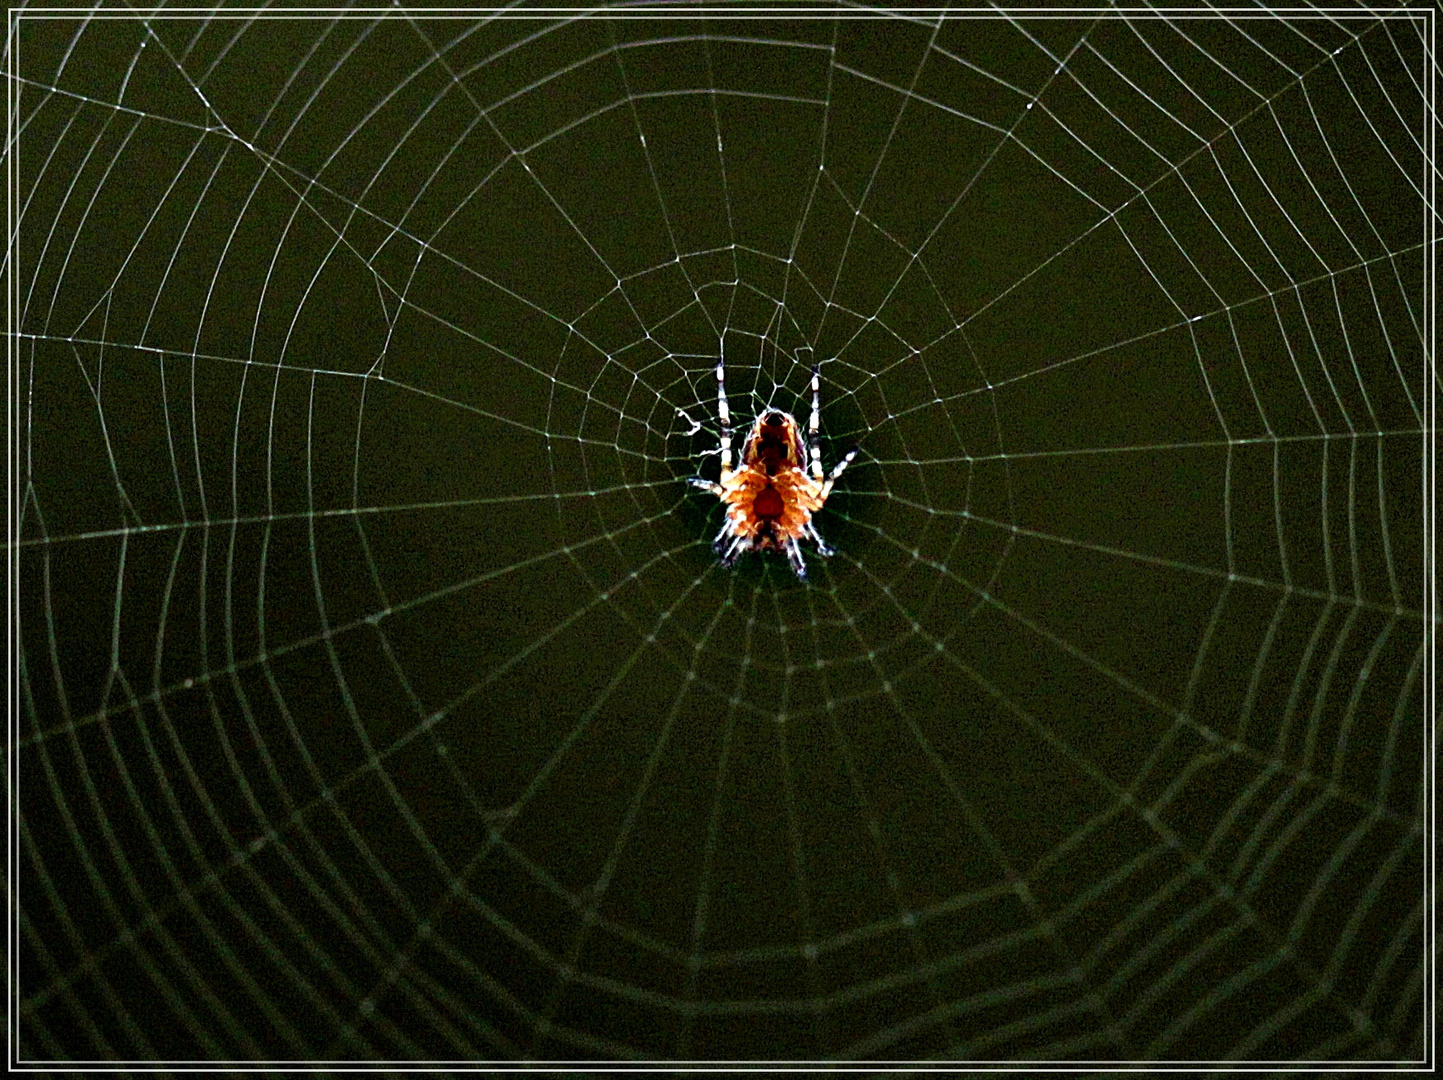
823	548
724	414
837	471
727	545
794	556
706	485
814	428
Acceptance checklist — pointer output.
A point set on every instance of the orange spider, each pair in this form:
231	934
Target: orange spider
769	497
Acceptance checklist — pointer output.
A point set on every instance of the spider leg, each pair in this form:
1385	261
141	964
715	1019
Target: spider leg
732	550
837	471
724	415
727	553
706	485
824	549
815	425
794	556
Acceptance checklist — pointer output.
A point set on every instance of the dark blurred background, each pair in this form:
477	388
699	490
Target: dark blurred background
379	696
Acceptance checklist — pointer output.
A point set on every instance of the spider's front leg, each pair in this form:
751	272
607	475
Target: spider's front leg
814	426
706	485
723	413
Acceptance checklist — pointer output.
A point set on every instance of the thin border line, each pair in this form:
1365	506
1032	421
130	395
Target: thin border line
12	453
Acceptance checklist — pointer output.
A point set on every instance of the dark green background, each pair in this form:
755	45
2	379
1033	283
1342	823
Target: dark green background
381	698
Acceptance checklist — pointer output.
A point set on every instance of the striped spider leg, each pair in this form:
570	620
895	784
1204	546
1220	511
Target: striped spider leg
769	495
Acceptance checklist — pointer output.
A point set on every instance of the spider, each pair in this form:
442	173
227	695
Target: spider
769	497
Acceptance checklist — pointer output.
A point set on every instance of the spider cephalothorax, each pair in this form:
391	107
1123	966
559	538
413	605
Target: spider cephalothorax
769	497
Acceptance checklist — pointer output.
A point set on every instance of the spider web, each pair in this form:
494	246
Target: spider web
378	694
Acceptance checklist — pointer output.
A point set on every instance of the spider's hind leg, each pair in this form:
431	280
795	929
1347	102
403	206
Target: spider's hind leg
794	556
824	549
728	545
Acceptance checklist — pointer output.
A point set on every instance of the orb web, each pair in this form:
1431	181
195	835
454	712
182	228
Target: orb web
379	696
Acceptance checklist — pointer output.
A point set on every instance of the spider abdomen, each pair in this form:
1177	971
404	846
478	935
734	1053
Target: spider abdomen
769	511
768	503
